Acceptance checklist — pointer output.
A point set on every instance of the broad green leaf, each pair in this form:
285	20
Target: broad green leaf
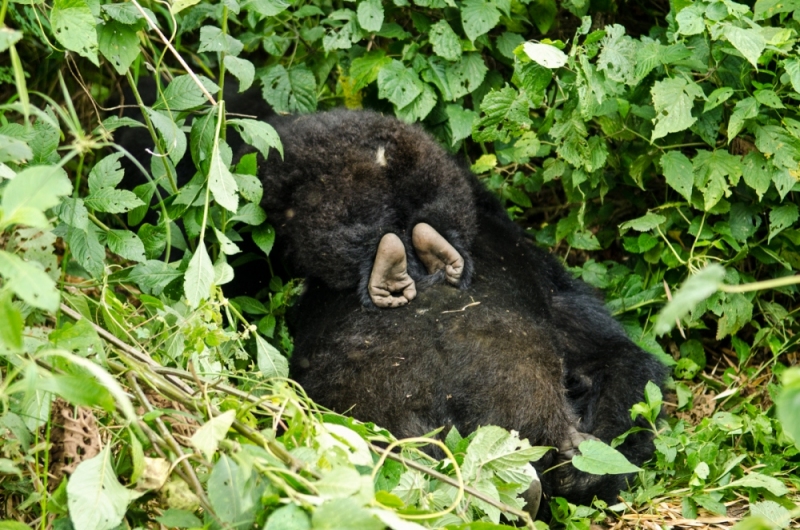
436	74
503	113
288	517
710	171
178	6
781	218
766	515
268	8
9	37
618	55
199	277
174	138
673	100
758	480
398	84
212	39
717	98
96	499
11	330
174	518
545	55
643	224
293	90
788	403
792	67
206	439
127	13
694	290
270	361
745	109
229	495
444	40
764	9
690	20
768	98
74	27
508	42
370	15
183	93
221	182
29	282
496	450
126	244
598	458
344	514
111	200
264	237
241	69
259	134
420	107
226	246
119	44
466	75
107	173
80	338
82	390
37	188
365	68
749	42
153	276
12	149
478	17
678	173
87	249
339	483
249	186
737	311
461	121
10	524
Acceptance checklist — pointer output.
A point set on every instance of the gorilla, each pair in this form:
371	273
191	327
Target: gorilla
380	220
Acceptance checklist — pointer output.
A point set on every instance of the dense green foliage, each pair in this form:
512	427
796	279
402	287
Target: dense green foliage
649	144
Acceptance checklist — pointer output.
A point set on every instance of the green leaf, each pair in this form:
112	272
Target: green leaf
293	90
9	37
80	338
444	40
270	361
678	172
788	403
29	282
174	138
153	276
74	27
126	244
643	224
507	43
111	200
764	9
690	21
461	121
11	330
34	189
737	311
466	75
12	149
758	480
422	105
229	495
694	290
268	8
744	110
183	93
288	517
81	390
598	458
766	515
710	171
344	514
241	69
207	438
673	100
503	453
504	112
398	84
340	482
768	98
13	525
370	15
757	172
781	218
478	17
119	44
199	277
212	39
173	518
87	250
106	174
717	97
365	68
126	13
749	42
618	57
259	134
264	237
96	499
792	66
221	182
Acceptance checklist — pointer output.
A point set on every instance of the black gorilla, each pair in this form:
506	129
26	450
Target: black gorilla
523	345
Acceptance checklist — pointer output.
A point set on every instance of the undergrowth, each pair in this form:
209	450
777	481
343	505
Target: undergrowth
654	146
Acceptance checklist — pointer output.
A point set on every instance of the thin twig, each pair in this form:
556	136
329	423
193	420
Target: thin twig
177	55
462	309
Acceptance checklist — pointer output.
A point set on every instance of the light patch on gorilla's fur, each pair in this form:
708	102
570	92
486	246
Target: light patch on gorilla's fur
380	157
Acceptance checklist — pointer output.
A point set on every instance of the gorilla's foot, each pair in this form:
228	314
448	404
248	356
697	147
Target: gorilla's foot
436	253
569	446
389	284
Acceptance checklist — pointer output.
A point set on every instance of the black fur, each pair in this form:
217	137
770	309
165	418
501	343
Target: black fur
539	354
